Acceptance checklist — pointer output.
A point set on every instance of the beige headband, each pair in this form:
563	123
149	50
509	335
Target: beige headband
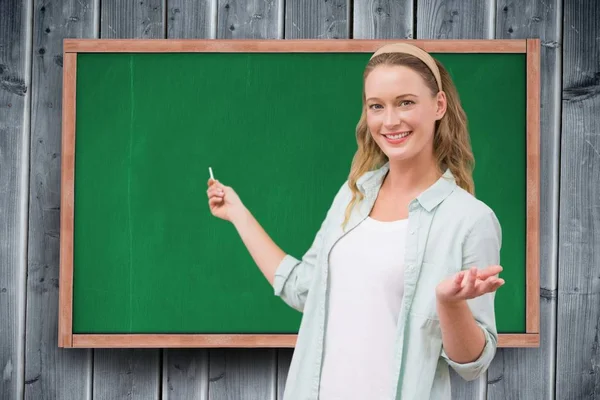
413	51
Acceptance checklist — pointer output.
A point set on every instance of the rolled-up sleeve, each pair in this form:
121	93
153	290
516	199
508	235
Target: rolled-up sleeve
481	248
293	277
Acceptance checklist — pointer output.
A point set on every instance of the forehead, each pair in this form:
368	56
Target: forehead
392	79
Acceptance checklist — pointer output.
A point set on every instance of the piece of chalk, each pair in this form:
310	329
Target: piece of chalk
211	174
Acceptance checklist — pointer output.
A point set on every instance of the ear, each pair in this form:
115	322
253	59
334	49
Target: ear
442	103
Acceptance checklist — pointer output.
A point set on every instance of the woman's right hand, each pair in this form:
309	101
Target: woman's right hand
224	203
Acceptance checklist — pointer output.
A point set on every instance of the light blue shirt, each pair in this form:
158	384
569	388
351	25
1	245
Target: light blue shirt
448	230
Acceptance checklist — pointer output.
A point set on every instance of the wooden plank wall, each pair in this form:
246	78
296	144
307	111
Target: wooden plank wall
566	366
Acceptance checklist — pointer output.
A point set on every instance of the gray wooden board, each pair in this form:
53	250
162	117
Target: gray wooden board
383	19
126	19
188	19
185	374
578	318
244	374
124	373
251	19
517	374
284	359
132	374
317	19
455	19
15	92
529	373
52	372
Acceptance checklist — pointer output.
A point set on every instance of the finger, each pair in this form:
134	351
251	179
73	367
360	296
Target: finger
458	279
489	285
489	271
215	201
210	182
213	193
471	277
214	190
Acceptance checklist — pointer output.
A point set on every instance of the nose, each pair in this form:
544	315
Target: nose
391	118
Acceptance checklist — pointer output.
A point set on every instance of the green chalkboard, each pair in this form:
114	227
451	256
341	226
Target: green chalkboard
149	257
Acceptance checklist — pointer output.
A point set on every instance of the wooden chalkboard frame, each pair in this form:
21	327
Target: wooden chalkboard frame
66	337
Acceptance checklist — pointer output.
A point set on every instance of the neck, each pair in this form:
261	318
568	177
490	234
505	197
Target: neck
412	177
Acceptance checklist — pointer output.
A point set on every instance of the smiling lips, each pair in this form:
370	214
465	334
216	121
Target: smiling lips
397	137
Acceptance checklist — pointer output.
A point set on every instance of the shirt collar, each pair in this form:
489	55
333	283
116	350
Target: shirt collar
370	183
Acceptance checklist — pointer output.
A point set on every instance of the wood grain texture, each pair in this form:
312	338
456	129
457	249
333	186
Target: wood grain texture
120	373
51	372
67	199
383	19
247	374
317	19
15	92
183	341
519	373
578	318
284	359
455	19
132	374
250	19
532	292
526	373
191	19
290	45
132	19
185	374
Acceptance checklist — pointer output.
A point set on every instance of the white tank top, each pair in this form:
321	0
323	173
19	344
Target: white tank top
365	297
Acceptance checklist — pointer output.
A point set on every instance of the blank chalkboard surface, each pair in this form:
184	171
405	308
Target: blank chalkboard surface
147	258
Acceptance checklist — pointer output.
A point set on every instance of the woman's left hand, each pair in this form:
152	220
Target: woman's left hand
469	284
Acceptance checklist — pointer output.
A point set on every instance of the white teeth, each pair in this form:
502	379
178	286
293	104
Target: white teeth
399	136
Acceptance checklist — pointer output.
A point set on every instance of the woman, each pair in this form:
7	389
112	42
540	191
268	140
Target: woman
399	283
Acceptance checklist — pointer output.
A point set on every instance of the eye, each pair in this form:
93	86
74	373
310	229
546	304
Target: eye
406	102
375	106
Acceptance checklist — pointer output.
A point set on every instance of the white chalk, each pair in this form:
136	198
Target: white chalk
211	174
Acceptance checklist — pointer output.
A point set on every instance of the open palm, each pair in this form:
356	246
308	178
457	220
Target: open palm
469	284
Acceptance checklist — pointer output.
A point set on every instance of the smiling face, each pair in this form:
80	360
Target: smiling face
401	112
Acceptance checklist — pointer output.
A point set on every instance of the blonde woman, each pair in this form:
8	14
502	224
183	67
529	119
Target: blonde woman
399	283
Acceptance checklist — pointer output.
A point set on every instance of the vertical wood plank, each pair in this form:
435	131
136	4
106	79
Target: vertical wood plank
383	19
250	19
578	312
15	92
284	359
185	374
185	371
188	19
51	372
130	374
126	19
127	373
457	19
317	19
529	373
244	374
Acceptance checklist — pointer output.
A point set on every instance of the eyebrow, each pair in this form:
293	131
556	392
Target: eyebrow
397	97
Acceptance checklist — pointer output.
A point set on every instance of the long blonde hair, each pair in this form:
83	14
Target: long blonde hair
451	143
